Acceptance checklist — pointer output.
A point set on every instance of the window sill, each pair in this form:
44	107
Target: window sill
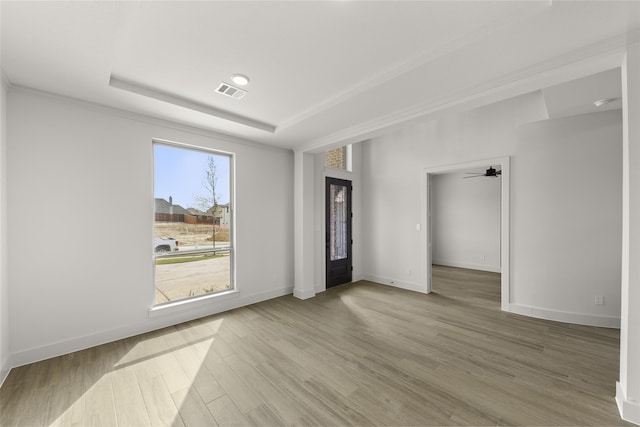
190	304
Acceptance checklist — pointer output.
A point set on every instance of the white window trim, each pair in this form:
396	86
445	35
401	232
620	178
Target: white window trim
190	303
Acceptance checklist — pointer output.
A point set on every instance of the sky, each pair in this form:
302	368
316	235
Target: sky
179	173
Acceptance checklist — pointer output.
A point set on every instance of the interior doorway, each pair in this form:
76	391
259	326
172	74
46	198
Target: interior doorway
339	238
502	164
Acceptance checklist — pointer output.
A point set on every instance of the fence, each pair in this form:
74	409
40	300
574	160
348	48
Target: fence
188	219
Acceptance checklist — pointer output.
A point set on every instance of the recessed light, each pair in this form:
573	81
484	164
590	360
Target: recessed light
603	101
240	79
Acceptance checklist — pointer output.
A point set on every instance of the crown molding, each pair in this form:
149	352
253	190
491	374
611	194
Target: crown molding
414	62
591	59
155	121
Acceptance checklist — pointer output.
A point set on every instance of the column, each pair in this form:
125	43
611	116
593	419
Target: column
628	388
303	225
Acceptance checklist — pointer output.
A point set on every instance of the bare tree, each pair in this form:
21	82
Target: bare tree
209	202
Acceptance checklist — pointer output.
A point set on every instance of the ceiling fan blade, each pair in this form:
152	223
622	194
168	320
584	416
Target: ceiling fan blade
474	176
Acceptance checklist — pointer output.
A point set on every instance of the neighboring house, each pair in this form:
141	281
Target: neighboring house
222	215
168	212
164	207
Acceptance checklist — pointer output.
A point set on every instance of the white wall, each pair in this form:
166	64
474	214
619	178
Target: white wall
565	223
4	283
80	206
466	221
567	211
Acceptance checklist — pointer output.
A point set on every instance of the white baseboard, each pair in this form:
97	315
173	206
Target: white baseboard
4	371
468	265
319	288
309	293
410	286
629	411
55	349
566	317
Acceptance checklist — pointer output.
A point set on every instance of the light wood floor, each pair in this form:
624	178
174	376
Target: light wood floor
359	354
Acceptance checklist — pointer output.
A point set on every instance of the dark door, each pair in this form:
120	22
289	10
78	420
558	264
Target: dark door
338	217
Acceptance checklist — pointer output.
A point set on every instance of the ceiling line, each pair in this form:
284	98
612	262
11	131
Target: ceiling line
152	120
159	95
413	63
591	59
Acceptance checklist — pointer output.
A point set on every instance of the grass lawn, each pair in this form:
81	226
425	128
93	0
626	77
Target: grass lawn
187	258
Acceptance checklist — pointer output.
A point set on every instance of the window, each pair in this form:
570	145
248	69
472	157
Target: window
338	158
193	222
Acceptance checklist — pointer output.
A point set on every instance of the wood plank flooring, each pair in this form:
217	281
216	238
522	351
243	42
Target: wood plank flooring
358	354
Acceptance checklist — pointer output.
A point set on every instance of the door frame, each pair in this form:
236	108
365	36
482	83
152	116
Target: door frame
326	183
320	223
505	166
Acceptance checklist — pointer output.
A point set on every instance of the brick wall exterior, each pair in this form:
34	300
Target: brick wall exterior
336	158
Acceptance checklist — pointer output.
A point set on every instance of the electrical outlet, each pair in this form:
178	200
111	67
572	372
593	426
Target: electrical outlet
599	300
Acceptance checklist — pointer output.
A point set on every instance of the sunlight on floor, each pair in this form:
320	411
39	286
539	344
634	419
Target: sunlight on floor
152	381
354	304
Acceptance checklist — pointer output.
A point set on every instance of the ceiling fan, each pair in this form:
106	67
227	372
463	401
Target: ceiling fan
491	172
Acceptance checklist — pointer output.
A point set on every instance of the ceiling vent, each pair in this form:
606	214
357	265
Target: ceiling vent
232	91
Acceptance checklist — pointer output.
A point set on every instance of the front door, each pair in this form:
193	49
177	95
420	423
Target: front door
338	229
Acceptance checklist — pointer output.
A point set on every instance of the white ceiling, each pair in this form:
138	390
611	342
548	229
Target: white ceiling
577	96
319	69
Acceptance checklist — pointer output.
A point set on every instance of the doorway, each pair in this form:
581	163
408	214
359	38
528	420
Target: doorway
504	165
338	232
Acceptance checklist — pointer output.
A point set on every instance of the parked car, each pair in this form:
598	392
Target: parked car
166	244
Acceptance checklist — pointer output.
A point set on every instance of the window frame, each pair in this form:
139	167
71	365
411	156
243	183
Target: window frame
168	307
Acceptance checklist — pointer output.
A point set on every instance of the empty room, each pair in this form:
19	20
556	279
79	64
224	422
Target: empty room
319	213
